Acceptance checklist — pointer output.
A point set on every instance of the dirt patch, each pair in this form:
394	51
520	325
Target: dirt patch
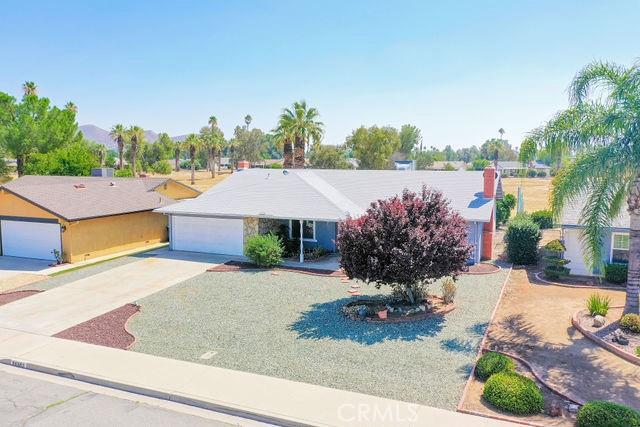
19	280
109	329
474	402
583	281
238	266
536	191
482	268
8	297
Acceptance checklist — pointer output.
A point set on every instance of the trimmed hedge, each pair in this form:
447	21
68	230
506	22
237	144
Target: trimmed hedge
607	414
491	363
513	393
264	249
616	273
630	323
543	218
522	239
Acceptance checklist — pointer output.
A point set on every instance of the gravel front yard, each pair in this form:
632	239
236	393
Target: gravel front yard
289	326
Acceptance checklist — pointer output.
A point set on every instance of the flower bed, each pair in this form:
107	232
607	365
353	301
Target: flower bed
395	311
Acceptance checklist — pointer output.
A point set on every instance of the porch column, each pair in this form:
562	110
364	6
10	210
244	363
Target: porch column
301	244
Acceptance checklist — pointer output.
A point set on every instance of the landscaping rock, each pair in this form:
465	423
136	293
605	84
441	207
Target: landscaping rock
620	338
555	409
573	408
598	321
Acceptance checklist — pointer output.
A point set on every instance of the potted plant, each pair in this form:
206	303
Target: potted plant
554	262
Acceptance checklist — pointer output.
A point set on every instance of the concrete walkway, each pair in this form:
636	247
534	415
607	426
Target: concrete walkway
55	310
235	393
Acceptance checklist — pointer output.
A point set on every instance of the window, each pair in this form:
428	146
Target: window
620	248
308	230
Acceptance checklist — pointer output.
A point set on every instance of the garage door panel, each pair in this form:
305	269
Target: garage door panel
208	235
28	239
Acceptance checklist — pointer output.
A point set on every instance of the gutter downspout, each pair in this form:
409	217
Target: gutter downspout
301	244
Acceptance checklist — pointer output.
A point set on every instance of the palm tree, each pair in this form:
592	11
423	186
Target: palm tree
29	88
215	144
191	145
177	148
604	131
119	134
284	140
70	106
136	139
301	122
247	120
101	153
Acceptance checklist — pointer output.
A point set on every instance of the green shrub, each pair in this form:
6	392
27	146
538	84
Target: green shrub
510	200
522	238
513	393
638	351
491	363
532	173
543	218
503	212
554	262
607	414
616	273
161	167
264	249
541	174
124	172
598	304
630	323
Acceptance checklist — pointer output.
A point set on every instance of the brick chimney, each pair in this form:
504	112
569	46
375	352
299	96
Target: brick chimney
489	228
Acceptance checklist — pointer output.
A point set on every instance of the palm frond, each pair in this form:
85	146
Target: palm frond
598	74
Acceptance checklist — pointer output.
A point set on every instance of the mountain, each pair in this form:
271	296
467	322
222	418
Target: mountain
101	136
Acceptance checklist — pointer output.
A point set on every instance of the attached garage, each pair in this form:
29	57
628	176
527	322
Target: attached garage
30	239
207	234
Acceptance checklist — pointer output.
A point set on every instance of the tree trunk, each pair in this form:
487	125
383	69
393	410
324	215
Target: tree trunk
133	161
177	153
412	299
120	155
212	163
298	153
20	161
288	154
193	171
633	275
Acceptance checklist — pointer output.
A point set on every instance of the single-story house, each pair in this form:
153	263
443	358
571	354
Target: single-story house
84	217
448	165
615	240
405	165
509	167
311	202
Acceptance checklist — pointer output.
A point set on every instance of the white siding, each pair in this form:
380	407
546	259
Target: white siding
574	252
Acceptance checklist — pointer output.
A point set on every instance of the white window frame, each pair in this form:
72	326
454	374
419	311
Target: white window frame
613	238
303	239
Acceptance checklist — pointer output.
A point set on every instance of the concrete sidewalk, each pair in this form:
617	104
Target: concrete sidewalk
55	310
232	392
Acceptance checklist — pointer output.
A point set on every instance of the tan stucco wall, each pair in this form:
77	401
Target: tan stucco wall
177	191
97	237
11	205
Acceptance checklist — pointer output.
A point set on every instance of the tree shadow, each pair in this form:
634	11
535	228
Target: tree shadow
325	320
457	345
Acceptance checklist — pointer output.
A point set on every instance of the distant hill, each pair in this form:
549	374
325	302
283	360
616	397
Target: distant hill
101	136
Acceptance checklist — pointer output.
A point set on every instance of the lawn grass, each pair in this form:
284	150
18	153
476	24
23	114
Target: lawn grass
290	326
536	191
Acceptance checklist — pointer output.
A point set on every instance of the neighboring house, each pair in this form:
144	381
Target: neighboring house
455	164
311	202
84	217
405	165
508	167
615	240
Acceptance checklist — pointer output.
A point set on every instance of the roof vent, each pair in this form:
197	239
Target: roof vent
79	186
285	172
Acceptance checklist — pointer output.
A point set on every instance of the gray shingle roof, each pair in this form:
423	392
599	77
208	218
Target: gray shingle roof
62	195
328	195
573	211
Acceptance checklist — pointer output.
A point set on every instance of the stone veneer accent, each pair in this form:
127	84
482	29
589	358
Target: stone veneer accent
266	225
250	226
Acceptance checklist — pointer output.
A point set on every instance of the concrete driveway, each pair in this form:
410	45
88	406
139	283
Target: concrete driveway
58	309
16	272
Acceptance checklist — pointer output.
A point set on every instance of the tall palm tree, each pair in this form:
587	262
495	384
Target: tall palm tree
119	134
247	120
284	140
70	106
136	139
302	122
192	145
603	128
101	153
30	88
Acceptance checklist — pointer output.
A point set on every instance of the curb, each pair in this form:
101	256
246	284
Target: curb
126	327
185	400
602	343
538	276
500	418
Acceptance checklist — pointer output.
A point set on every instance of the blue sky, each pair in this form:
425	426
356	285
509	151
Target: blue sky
458	70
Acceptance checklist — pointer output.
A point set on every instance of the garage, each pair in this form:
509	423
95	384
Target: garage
30	239
207	234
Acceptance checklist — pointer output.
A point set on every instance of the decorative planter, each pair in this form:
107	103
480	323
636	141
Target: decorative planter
382	314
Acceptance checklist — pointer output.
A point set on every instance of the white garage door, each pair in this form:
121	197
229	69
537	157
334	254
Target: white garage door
30	239
209	235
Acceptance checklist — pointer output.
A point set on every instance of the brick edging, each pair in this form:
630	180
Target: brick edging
126	327
602	343
538	276
470	273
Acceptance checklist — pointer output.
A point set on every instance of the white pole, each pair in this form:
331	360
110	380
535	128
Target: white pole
301	245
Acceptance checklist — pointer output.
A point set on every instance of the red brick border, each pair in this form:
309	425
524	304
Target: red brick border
602	343
239	266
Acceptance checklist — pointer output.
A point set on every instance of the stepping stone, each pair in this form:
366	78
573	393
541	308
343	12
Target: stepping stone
275	273
355	286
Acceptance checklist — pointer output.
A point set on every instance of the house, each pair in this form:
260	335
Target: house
449	165
508	167
405	165
83	217
615	240
310	203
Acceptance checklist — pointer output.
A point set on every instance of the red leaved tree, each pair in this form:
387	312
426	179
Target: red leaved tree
405	242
